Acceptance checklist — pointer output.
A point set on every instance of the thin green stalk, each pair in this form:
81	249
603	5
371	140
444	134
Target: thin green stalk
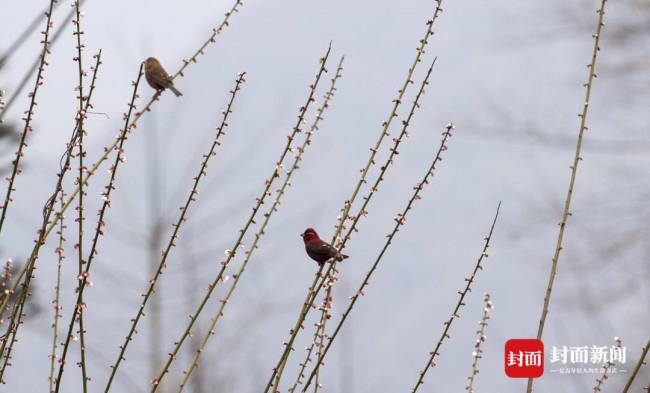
81	116
310	349
574	170
321	333
60	252
637	367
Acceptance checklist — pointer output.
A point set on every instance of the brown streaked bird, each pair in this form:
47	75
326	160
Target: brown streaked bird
317	249
157	77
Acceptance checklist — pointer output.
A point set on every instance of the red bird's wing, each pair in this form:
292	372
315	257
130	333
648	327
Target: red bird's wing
320	251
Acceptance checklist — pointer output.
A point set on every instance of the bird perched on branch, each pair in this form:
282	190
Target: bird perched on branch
317	249
157	77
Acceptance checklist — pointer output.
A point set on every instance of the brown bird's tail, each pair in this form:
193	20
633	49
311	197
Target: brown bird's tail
175	91
341	257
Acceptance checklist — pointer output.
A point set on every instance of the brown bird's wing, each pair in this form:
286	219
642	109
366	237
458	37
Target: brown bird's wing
158	78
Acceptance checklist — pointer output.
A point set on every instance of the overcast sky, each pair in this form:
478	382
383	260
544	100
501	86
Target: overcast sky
509	75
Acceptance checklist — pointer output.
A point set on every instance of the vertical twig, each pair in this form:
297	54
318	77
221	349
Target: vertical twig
321	333
220	131
476	355
574	170
60	252
637	367
461	302
315	342
83	275
81	116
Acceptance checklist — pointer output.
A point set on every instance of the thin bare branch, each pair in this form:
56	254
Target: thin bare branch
574	171
40	79
637	367
461	302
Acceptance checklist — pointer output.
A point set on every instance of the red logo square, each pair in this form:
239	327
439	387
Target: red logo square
524	358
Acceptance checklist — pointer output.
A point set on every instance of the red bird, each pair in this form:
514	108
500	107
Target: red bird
317	249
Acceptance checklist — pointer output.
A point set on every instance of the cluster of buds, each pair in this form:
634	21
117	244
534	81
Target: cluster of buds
476	354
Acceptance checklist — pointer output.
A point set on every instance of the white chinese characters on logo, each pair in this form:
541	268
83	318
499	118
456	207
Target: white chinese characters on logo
585	354
524	358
